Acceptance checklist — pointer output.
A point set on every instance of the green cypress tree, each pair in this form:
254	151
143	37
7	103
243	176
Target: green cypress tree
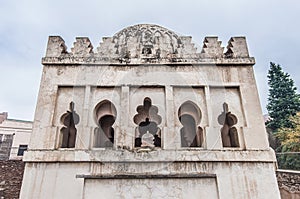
283	101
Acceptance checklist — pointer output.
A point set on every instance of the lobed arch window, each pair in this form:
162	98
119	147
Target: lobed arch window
229	132
105	115
147	134
69	131
191	133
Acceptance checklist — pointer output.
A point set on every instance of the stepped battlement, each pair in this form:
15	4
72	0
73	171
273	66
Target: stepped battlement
145	43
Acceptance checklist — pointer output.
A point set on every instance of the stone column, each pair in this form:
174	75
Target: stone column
83	137
170	138
125	138
212	131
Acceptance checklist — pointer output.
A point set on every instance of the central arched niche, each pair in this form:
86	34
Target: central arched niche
189	116
105	115
147	133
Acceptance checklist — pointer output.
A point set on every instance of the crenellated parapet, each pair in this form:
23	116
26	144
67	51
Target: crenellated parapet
212	48
56	47
237	48
145	43
82	47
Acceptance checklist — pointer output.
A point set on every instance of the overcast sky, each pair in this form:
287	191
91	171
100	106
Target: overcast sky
272	28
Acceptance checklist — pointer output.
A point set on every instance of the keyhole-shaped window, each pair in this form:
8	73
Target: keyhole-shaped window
147	134
69	131
229	132
190	116
104	134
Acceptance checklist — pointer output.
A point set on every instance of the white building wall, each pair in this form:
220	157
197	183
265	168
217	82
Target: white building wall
21	131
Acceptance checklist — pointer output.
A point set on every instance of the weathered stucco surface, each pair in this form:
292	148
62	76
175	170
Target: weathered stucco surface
221	180
147	73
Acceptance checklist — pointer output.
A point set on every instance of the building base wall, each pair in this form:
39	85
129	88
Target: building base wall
150	180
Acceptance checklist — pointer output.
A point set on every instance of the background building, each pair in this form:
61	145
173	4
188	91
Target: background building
14	137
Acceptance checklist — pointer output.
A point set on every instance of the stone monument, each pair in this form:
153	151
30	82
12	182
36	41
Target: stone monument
147	115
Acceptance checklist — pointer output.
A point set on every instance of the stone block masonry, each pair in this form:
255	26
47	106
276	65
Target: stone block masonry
289	184
11	175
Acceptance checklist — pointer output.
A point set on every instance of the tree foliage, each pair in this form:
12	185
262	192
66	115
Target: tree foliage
290	137
290	142
283	107
283	101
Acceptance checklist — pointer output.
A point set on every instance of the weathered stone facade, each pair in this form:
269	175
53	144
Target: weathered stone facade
147	115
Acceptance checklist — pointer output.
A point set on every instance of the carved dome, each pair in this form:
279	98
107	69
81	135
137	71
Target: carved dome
149	42
146	40
147	34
